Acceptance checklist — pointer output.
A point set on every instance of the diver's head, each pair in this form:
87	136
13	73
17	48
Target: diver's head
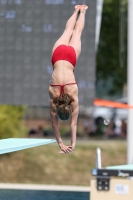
63	107
64	112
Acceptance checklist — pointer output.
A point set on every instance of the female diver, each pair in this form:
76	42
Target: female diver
63	90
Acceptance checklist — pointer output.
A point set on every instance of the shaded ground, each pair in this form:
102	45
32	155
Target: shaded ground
45	165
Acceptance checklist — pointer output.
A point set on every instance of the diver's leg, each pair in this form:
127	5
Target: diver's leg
66	36
75	41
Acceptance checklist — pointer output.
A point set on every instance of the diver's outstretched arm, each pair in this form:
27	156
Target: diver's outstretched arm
54	119
74	124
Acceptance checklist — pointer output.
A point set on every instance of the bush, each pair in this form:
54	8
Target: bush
11	121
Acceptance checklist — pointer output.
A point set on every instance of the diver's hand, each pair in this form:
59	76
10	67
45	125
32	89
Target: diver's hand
72	146
65	149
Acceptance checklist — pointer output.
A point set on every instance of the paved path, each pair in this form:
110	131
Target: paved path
44	187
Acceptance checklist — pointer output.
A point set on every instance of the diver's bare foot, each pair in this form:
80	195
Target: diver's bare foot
77	8
83	8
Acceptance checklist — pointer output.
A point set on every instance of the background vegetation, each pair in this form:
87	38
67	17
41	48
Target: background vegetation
112	50
11	121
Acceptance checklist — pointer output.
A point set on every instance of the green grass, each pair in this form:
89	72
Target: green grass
44	165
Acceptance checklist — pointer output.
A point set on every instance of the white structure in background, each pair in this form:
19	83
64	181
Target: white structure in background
130	83
98	159
99	10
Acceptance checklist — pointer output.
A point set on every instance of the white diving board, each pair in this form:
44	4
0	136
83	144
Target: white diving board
16	144
121	167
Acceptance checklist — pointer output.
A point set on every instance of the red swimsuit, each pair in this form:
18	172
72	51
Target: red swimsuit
64	52
67	53
62	87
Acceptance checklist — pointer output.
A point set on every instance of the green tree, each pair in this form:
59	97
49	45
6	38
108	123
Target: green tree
109	55
11	121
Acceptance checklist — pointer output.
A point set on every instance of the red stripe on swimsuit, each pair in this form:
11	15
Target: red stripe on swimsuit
64	52
62	87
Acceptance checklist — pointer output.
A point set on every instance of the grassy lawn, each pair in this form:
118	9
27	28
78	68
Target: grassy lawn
44	165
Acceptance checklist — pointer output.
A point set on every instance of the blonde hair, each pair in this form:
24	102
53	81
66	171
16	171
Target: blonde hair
63	107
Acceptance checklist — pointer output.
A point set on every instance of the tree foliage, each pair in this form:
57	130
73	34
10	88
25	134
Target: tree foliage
11	121
108	56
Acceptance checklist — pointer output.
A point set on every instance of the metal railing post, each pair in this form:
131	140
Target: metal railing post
98	159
